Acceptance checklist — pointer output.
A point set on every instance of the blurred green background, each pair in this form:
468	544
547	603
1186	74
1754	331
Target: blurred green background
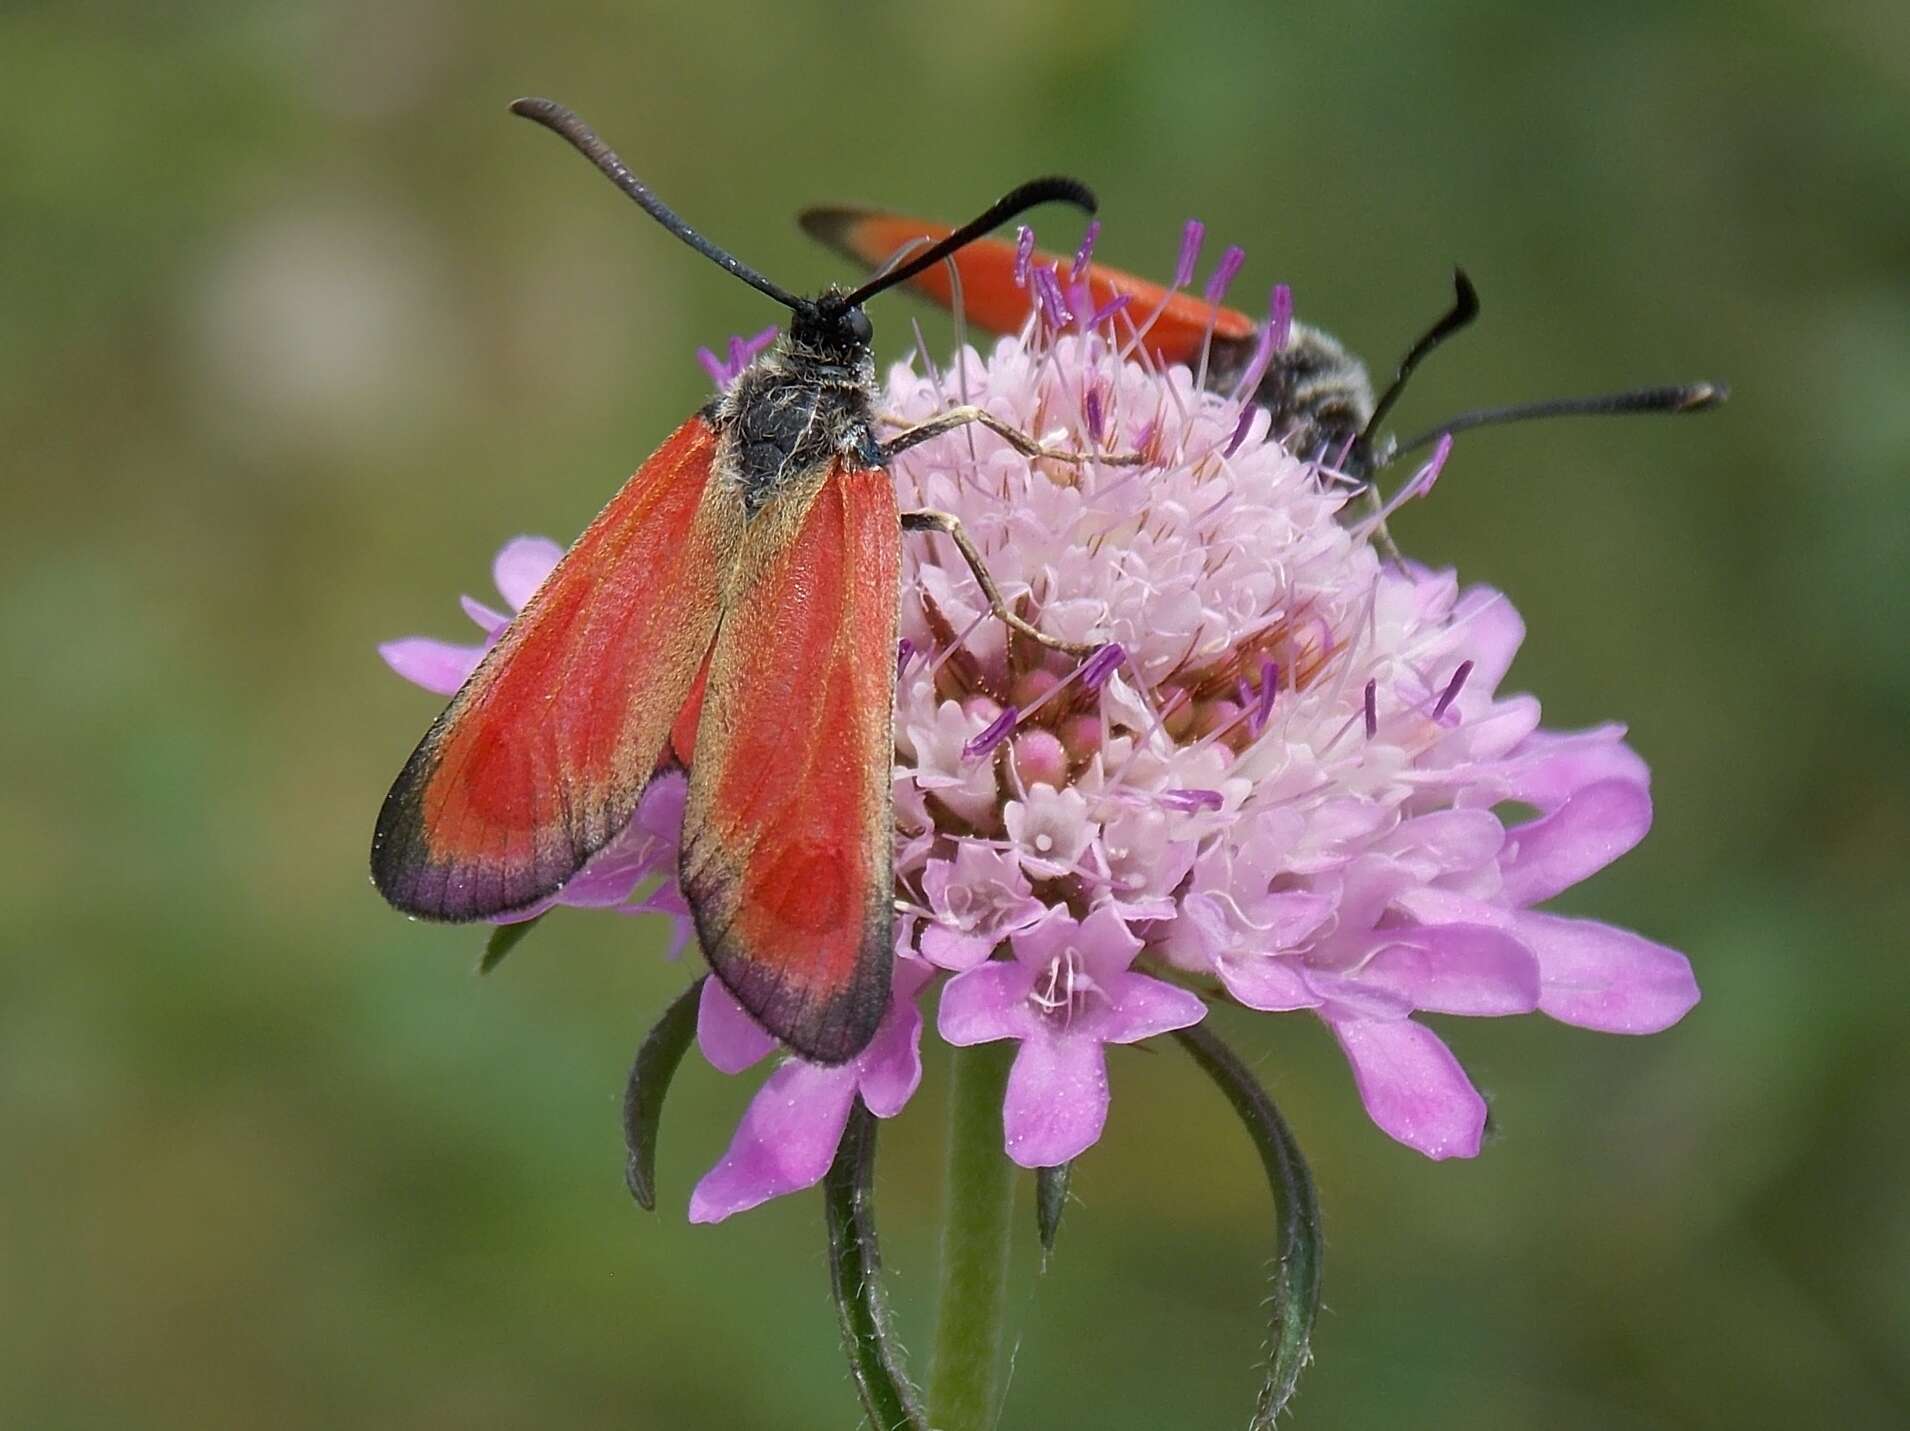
298	325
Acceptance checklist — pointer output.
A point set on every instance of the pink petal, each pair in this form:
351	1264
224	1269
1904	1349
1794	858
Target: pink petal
438	666
1457	969
1447	839
890	1069
1592	828
730	1039
1603	978
521	566
785	1142
1140	1007
1057	1099
1268	982
1552	766
989	1002
612	875
952	949
491	623
1412	1086
1494	631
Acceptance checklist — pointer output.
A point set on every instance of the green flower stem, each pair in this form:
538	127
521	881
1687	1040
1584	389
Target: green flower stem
978	1203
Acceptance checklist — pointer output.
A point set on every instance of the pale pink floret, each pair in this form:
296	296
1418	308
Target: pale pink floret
1067	992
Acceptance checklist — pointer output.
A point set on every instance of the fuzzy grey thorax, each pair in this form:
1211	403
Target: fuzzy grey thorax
796	406
1318	393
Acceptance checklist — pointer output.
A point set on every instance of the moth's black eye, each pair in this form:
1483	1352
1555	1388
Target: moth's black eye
856	323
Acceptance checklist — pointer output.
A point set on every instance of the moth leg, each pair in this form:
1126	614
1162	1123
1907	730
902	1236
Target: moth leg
950	525
1024	444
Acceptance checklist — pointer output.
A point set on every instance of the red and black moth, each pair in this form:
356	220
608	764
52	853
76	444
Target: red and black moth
1319	394
732	611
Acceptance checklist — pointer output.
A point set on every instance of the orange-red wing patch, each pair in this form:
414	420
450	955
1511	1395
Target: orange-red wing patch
787	835
541	756
991	299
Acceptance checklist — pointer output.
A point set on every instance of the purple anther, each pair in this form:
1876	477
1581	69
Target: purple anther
1054	306
1105	313
1453	688
1085	252
904	653
1024	254
756	343
1190	241
1262	359
1424	478
1224	272
1095	415
1280	316
1247	411
1194	799
992	735
1372	709
717	369
1101	665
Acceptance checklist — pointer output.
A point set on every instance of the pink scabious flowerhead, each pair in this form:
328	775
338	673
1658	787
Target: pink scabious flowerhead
1286	776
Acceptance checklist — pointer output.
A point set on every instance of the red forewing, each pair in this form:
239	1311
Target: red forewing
787	835
542	755
991	299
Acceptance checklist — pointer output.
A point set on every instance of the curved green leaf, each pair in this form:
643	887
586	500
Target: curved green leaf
1295	1299
649	1082
504	938
855	1277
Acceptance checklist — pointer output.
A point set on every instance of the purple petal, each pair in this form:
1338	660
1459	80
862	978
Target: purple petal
1550	768
612	875
438	666
1590	830
521	566
1412	1086
952	949
730	1039
987	1003
890	1070
1267	982
1608	979
785	1142
491	623
1057	1099
1140	1007
1458	969
1493	633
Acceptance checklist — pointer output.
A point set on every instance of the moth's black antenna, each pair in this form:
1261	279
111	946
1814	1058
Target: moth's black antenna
1694	397
1465	308
1024	196
555	117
